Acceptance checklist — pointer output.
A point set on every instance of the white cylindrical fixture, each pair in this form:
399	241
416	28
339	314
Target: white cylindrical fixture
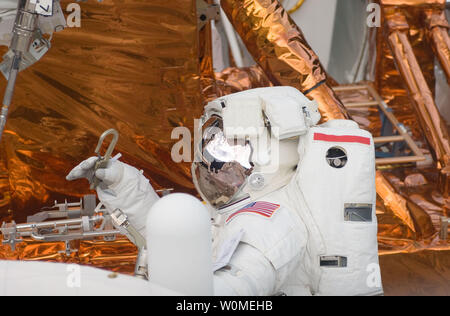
179	245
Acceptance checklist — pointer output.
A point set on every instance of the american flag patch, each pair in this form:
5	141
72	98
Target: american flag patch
265	209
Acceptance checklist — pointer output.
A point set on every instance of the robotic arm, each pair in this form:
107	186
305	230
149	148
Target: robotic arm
33	19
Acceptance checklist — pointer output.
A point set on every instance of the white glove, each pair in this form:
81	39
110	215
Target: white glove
122	186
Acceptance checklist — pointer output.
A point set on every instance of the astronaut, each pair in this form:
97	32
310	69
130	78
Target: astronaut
292	203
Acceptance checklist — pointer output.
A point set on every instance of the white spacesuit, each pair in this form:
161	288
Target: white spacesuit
293	203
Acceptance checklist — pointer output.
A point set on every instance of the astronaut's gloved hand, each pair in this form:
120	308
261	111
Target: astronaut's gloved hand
122	186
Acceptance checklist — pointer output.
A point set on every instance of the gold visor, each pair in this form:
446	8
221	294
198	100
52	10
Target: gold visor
221	166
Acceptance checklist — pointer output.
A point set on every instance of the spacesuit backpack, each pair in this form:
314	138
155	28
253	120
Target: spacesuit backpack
336	179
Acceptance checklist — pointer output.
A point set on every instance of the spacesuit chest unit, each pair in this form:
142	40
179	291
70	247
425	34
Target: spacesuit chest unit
336	175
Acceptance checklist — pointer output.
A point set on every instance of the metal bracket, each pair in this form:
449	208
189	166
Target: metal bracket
121	222
206	12
103	160
10	235
85	207
68	250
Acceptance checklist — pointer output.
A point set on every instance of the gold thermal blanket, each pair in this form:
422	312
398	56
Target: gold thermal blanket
133	66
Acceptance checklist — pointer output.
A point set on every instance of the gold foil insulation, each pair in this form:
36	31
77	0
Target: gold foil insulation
425	273
421	96
437	32
132	65
118	256
420	4
280	49
394	202
389	81
233	80
275	42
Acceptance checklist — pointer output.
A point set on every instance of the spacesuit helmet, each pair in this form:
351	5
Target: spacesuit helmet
248	140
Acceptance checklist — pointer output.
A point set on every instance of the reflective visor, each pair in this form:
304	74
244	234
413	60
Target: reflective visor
222	166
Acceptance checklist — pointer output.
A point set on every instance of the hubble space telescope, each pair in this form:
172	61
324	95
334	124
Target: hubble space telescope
294	172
